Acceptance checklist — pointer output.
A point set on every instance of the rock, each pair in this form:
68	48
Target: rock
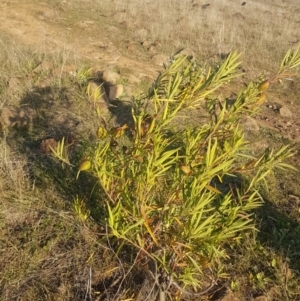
131	90
112	28
133	79
249	124
186	51
47	14
111	48
121	17
14	83
285	112
146	44
152	49
102	108
176	43
115	91
239	16
141	33
98	97
84	24
110	76
132	46
97	93
47	145
81	25
259	146
160	59
128	24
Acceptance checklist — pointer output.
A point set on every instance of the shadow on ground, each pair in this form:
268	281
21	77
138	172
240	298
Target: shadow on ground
61	112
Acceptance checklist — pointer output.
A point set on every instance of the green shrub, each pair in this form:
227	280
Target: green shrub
175	191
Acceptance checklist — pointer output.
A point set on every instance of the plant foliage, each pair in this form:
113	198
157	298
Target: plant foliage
174	193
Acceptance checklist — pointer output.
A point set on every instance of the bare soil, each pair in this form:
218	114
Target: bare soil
105	43
46	29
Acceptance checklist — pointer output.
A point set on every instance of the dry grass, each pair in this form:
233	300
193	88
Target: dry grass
46	252
262	31
44	247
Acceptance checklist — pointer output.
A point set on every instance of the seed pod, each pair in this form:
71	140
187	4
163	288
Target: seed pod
262	99
101	132
264	86
85	165
185	169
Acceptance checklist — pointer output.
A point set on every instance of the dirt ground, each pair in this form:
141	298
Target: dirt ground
103	42
38	25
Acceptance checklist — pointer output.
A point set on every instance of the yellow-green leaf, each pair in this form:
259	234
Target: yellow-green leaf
213	189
